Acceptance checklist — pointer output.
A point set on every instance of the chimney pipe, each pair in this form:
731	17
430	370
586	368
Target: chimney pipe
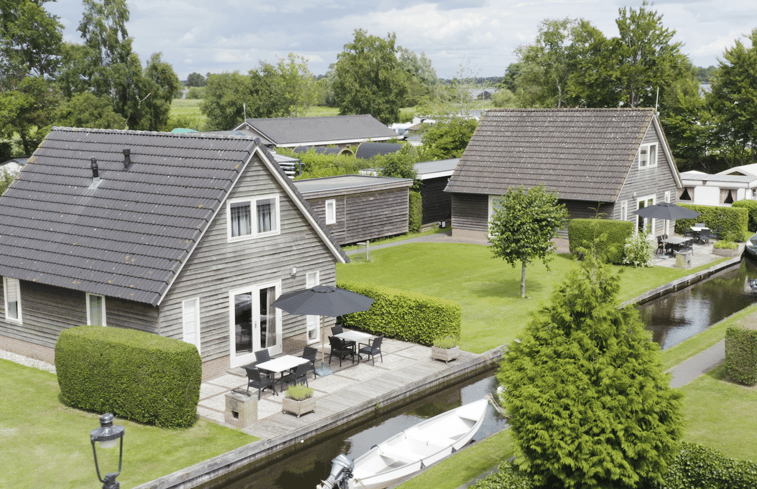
93	165
127	158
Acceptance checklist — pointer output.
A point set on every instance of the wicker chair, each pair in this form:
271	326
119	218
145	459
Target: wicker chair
340	349
255	380
312	355
371	349
299	376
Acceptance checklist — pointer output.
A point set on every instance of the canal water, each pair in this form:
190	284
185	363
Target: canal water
308	468
680	315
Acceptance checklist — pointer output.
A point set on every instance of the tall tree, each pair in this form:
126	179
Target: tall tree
523	225
448	138
369	78
734	100
297	84
588	402
88	110
196	80
421	75
161	85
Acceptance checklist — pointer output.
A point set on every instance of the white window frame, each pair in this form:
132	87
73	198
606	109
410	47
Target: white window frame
667	223
254	290
624	210
330	209
6	288
650	160
254	233
186	315
89	312
490	211
312	322
646	198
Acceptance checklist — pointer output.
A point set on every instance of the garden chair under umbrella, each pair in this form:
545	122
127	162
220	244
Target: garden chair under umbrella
322	300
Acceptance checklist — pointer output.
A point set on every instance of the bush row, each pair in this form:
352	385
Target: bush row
415	221
582	233
751	207
730	223
132	374
741	355
404	315
694	467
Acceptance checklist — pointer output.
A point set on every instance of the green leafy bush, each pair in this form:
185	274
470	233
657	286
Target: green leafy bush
730	221
507	476
751	207
741	355
416	213
299	392
404	315
583	233
725	245
446	342
638	250
130	373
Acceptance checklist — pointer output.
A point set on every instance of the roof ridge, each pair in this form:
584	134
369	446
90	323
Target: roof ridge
186	135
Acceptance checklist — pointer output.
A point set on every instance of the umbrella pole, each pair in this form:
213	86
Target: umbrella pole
323	371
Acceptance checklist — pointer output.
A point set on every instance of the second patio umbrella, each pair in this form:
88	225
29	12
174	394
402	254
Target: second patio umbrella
322	300
666	211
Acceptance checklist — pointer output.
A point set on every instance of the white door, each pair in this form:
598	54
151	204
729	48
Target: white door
313	331
254	324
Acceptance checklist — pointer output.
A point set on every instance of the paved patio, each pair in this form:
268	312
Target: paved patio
352	384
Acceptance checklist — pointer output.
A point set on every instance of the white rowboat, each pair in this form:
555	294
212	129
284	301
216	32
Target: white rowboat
418	447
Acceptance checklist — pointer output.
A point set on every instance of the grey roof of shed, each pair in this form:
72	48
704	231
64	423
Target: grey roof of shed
347	184
292	131
582	154
368	150
131	235
435	169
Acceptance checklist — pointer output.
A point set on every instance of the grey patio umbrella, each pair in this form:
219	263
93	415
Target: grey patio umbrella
667	212
322	300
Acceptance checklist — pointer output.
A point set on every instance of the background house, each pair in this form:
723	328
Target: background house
611	161
359	207
339	131
434	176
189	236
724	188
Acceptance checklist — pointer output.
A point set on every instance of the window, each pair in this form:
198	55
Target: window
96	310
191	321
313	332
12	289
242	225
493	204
331	211
644	224
648	155
624	210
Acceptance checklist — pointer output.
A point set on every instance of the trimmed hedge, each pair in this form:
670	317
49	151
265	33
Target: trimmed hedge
741	355
583	232
404	315
732	221
415	221
130	373
751	207
695	466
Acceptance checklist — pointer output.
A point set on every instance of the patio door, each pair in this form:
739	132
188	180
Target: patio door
644	224
254	324
313	322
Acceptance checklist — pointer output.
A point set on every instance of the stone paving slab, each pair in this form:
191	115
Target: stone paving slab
209	390
230	381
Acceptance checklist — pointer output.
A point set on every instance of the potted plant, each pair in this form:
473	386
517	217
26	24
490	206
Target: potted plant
299	400
727	248
445	349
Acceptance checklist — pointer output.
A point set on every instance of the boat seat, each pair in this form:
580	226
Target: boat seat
439	441
399	454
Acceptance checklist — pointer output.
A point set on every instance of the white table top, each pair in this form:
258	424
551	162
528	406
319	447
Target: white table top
694	228
282	363
678	240
355	336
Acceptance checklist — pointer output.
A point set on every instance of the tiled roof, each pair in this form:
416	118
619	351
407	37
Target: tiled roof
366	151
582	154
289	131
128	237
349	184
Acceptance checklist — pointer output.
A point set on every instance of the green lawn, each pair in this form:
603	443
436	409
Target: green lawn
488	290
44	443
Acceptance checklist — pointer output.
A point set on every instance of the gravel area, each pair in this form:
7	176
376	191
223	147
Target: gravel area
29	362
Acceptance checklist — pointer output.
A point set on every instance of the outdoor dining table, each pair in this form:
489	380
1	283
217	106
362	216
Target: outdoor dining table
280	365
678	243
355	336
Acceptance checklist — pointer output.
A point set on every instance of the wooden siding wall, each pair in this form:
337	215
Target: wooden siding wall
47	310
437	204
366	215
217	267
470	213
648	181
578	209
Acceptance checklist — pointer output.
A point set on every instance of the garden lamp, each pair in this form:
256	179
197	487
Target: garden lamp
108	436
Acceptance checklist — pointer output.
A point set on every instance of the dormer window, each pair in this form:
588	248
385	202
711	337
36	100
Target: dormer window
648	155
250	218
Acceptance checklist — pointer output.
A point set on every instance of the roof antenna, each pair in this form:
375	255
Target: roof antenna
95	171
127	158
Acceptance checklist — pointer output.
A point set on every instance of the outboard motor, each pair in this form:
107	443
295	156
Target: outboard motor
341	473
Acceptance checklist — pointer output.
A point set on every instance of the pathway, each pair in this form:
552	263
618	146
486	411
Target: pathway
701	363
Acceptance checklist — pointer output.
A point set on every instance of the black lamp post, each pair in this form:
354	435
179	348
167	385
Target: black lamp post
108	436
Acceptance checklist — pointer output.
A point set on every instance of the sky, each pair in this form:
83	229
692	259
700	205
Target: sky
479	36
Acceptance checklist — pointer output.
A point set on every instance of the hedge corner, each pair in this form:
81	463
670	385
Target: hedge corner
741	355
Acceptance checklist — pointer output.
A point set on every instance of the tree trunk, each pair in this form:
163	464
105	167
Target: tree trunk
523	280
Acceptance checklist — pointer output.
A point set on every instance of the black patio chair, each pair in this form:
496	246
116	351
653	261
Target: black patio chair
311	354
338	329
255	380
660	245
371	349
704	236
262	356
299	376
340	349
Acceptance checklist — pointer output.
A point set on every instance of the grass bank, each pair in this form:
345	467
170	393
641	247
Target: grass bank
44	443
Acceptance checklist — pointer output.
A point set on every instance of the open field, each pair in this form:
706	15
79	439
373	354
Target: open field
44	443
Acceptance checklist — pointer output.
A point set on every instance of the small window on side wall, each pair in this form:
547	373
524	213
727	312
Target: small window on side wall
96	310
12	295
331	211
648	155
248	218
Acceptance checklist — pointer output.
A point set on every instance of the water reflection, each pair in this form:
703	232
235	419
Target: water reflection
679	316
306	469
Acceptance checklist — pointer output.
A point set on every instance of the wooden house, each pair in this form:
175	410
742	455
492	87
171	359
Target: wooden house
356	208
187	236
340	131
611	161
